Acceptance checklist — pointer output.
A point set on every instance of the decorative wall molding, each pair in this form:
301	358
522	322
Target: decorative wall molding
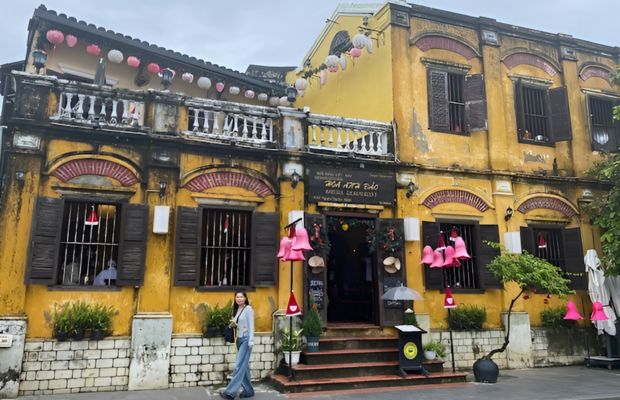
550	203
226	178
520	58
594	71
455	196
93	166
429	42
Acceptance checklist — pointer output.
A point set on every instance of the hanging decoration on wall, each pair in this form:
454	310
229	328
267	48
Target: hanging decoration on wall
332	61
355	52
323	78
344	224
204	83
55	37
391	240
92	219
262	97
71	41
301	84
274	101
234	90
249	94
93	49
115	56
133	62
319	240
343	62
542	242
188	77
359	40
219	87
153	68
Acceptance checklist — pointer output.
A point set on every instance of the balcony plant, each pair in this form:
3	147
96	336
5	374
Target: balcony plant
434	349
312	328
526	271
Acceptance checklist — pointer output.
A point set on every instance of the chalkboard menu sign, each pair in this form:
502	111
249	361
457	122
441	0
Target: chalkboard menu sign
388	283
345	185
316	292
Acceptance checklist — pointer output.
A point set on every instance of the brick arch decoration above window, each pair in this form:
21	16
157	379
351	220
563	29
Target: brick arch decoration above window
93	166
455	196
515	59
225	178
429	42
550	203
594	71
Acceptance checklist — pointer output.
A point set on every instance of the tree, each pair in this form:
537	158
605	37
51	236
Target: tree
527	271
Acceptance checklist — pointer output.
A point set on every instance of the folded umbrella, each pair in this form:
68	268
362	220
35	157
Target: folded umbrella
401	293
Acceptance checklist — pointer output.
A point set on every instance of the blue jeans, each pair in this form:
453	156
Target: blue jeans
241	374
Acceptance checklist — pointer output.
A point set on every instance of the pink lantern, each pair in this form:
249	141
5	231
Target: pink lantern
71	40
441	244
323	79
285	247
301	240
460	251
333	68
355	52
133	62
55	37
93	49
220	87
153	68
188	77
598	314
437	259
427	255
449	257
249	94
571	312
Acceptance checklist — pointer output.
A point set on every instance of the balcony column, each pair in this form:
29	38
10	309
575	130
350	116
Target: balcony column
294	129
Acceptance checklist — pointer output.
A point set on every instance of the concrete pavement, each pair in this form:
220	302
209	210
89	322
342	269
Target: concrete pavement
561	383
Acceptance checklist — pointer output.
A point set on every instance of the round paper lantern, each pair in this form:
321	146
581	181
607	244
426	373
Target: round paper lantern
115	56
188	77
323	79
204	83
71	40
220	87
262	97
234	90
55	37
355	52
343	62
274	101
369	45
301	84
331	61
359	41
249	94
133	62
153	68
284	101
93	49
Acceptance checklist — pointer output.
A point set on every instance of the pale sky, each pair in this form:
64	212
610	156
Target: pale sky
235	33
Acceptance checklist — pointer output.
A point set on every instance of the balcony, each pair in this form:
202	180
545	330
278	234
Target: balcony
47	100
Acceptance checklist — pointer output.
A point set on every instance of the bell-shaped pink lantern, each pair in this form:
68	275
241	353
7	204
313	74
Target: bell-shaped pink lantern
571	312
441	244
598	314
285	247
427	255
460	251
437	259
449	257
294	255
301	240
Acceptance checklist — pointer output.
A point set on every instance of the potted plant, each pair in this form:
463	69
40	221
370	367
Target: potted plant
527	271
291	346
101	321
61	323
215	318
313	328
434	349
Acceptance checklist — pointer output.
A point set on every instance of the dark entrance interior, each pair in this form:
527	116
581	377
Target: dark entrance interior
351	272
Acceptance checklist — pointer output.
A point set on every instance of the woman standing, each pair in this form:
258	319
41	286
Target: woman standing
244	322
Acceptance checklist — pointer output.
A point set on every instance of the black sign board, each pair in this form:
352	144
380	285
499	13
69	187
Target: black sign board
316	293
388	283
343	185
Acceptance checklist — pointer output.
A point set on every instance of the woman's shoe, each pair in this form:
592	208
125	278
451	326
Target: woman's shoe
245	395
225	396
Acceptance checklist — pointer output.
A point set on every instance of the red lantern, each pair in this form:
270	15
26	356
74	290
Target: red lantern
71	40
93	49
133	62
153	68
92	219
55	37
542	242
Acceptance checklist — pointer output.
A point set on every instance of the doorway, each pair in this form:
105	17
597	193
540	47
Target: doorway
351	270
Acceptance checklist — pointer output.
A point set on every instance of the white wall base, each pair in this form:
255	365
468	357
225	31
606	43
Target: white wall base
519	350
11	357
151	335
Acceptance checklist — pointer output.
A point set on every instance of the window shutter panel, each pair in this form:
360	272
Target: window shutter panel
487	254
265	228
132	246
309	221
391	316
527	240
573	258
475	103
187	246
560	116
44	241
433	277
519	115
438	112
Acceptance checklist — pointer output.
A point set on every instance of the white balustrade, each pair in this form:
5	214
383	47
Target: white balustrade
235	126
101	109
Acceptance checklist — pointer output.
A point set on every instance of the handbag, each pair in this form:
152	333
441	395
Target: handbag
229	332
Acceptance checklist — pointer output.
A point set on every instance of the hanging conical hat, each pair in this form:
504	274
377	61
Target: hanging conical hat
391	264
292	308
317	263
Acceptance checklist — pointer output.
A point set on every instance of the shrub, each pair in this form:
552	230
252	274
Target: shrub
312	325
438	347
467	318
72	319
291	342
101	318
553	318
218	317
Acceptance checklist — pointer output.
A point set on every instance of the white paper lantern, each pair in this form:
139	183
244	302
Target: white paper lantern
323	79
249	94
115	56
234	90
204	83
343	61
301	93
262	97
331	61
369	47
274	101
284	101
188	77
301	84
359	41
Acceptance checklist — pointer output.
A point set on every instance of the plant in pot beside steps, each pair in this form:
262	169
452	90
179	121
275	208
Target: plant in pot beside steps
526	271
312	328
433	349
291	346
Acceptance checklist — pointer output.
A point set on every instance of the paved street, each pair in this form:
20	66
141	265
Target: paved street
562	383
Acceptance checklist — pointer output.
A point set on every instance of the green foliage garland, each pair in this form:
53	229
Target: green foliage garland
391	240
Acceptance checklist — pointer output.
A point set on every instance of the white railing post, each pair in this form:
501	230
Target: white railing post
91	107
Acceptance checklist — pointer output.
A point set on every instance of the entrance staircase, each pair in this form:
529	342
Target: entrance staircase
353	356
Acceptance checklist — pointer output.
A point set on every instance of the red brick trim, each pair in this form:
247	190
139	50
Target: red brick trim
222	178
594	71
548	203
441	42
455	196
530	59
91	166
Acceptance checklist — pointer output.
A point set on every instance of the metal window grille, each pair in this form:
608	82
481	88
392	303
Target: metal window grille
456	104
601	120
226	248
549	246
89	243
466	276
535	113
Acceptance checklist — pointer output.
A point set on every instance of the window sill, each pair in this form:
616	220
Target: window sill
466	134
464	291
225	289
536	142
61	288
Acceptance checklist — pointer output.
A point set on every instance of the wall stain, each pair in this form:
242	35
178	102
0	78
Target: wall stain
11	375
418	134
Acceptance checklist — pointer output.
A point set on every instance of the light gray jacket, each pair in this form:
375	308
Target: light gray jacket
245	325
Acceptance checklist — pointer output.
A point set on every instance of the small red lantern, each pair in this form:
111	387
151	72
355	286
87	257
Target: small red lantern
542	242
55	37
153	68
93	50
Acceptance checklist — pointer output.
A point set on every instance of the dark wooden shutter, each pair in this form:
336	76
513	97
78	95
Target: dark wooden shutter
519	114
573	258
527	240
44	241
390	316
560	116
318	282
475	103
265	228
187	246
438	112
132	246
486	254
433	277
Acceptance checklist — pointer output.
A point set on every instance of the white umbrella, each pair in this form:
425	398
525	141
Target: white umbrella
401	293
598	292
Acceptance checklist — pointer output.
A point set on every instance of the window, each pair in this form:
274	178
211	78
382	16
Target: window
465	276
456	102
535	114
603	129
549	246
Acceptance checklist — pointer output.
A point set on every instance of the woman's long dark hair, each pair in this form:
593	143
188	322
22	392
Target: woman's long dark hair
236	306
